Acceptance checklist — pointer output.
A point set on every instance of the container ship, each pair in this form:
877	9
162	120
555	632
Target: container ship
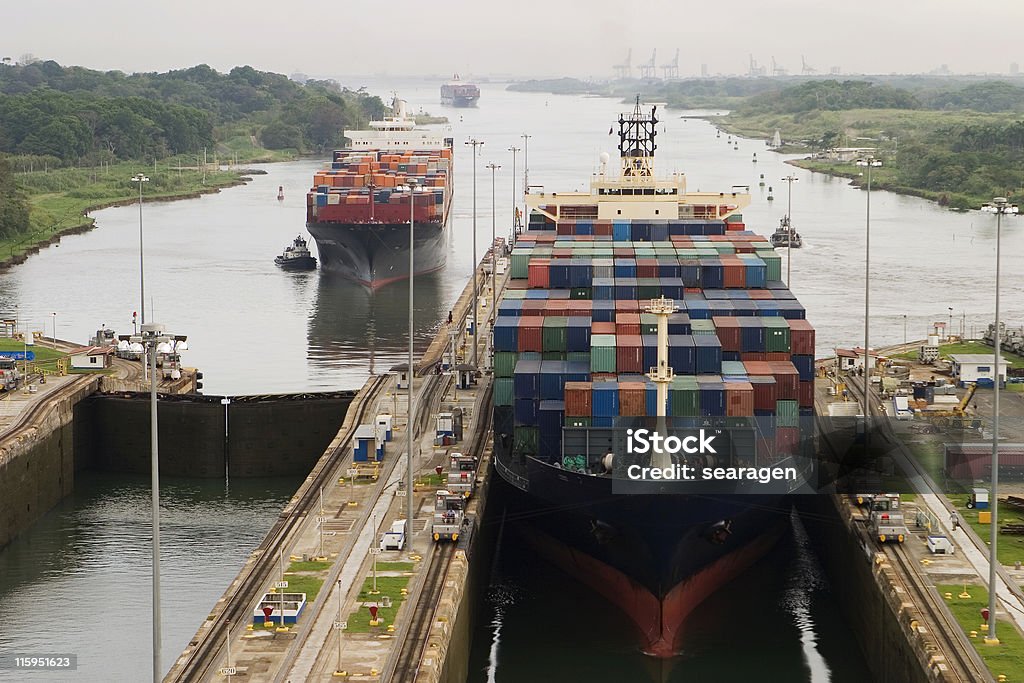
641	305
458	94
358	210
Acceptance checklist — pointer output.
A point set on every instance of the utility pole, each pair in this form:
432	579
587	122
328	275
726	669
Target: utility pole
475	143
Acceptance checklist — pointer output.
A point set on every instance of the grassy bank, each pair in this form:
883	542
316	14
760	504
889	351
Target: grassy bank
60	198
1007	658
968	347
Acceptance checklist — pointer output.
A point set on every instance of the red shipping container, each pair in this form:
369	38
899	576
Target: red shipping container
753	355
805	394
764	392
578	397
787	440
734	274
777	356
538	273
622	252
627	306
647	267
787	380
739	399
565	228
632	400
801	337
534	306
735	226
561	306
531	333
603	228
627	323
561	252
728	330
759	367
629	354
602	328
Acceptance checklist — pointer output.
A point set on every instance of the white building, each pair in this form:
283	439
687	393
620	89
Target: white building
970	367
850	359
91	358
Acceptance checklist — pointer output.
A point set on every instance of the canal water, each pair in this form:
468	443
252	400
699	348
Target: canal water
255	329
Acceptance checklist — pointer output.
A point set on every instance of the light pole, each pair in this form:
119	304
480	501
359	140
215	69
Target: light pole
514	149
141	178
412	397
869	163
494	252
790	179
904	331
526	162
1000	206
475	143
152	334
54	337
949	330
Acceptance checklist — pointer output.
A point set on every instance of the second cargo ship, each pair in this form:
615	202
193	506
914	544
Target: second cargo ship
639	305
358	210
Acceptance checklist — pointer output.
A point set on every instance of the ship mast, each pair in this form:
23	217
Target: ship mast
636	144
662	374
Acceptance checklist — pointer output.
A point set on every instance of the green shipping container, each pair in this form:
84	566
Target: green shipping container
702	327
503	391
602	353
773	264
648	288
648	323
525	440
683	398
787	414
556	330
553	355
580	293
520	265
577	421
505	363
776	335
578	356
733	367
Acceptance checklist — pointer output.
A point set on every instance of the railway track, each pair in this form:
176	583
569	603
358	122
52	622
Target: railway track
961	658
200	662
403	664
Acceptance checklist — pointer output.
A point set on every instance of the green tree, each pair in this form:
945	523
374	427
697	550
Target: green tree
13	205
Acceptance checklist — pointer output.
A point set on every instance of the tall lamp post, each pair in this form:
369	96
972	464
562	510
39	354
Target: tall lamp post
153	334
904	331
526	162
949	330
141	178
790	179
494	252
475	143
514	149
412	397
54	337
868	163
999	207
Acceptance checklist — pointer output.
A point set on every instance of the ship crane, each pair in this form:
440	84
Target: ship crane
778	70
807	68
671	70
649	70
755	70
662	374
625	70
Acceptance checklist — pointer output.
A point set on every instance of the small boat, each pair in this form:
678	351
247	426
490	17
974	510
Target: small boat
280	193
786	236
296	256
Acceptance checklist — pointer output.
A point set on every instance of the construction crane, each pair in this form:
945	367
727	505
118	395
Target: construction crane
649	70
671	70
755	70
807	68
625	70
778	70
955	417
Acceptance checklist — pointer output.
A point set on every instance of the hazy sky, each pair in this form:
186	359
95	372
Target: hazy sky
551	38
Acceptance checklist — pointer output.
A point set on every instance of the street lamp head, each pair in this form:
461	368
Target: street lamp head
412	183
869	161
140	178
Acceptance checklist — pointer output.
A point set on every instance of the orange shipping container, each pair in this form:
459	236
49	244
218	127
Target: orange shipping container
632	400
739	399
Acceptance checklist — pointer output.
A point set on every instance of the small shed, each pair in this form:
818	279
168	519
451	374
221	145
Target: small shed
850	359
972	367
91	358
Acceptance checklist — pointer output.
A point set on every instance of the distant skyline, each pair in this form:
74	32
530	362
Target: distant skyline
582	39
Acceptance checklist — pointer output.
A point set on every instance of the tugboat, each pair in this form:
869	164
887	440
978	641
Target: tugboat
296	256
280	193
786	236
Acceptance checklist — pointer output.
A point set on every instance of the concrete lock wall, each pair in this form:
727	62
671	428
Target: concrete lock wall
265	436
37	465
865	592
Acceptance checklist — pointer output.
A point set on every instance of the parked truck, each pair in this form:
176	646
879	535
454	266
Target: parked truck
394	538
887	522
462	474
